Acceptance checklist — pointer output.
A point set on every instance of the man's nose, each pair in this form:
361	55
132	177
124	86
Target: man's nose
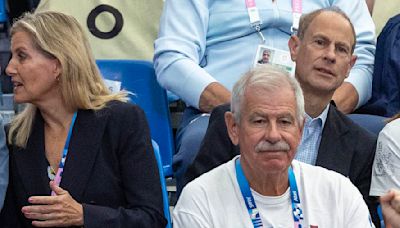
272	133
330	54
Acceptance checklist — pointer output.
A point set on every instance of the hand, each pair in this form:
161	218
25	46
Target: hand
390	203
60	210
213	95
346	98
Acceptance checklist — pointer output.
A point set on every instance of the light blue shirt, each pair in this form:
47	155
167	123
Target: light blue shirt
3	164
307	151
204	41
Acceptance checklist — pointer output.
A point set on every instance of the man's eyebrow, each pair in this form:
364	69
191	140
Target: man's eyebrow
286	115
319	35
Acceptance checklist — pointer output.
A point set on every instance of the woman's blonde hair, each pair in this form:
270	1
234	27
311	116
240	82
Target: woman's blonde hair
60	36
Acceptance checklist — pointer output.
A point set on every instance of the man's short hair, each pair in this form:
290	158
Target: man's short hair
270	78
306	20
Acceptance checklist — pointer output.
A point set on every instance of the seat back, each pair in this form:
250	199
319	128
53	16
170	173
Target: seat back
138	77
3	14
163	184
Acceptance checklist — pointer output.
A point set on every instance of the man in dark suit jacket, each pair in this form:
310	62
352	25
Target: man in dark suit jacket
321	68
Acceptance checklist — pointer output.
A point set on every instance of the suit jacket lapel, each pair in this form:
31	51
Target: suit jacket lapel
84	146
31	162
333	153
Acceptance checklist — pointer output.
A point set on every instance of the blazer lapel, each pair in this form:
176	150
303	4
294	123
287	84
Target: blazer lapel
333	153
84	146
31	162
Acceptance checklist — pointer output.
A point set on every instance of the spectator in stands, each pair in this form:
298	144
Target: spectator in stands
323	52
3	164
204	46
391	208
72	123
264	186
386	166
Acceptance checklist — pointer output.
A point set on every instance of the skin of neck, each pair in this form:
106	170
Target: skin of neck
263	182
55	113
314	102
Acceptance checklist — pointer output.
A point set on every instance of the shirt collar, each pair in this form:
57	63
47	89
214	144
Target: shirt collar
322	117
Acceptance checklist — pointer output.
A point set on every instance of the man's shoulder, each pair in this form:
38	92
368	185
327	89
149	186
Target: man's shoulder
342	121
320	176
211	180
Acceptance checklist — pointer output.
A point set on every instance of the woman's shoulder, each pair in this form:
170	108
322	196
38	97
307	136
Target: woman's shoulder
120	106
122	110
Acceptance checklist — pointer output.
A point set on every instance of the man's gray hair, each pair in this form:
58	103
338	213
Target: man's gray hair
270	78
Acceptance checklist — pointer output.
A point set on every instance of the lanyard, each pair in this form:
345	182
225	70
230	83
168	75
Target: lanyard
251	204
255	20
60	170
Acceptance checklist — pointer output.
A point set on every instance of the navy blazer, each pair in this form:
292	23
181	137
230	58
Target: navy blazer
110	169
345	148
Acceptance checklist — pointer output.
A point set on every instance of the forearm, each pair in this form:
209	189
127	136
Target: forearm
346	98
101	216
183	77
214	94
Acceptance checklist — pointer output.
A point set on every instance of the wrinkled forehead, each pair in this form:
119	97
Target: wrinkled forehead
328	21
275	97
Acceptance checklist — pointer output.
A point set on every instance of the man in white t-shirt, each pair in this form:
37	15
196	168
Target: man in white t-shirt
263	185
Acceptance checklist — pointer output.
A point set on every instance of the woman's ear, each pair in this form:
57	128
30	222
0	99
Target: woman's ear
57	69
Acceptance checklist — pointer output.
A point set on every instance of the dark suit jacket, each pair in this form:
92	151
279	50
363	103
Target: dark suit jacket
345	148
110	169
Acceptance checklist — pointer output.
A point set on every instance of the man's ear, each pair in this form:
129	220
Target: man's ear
294	43
232	127
353	60
302	126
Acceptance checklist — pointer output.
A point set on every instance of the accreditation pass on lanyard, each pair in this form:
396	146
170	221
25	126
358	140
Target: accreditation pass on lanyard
58	177
251	203
267	54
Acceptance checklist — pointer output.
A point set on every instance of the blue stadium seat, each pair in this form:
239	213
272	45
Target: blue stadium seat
138	77
3	14
163	185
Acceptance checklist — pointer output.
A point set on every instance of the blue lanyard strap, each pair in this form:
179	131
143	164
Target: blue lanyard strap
295	198
251	204
60	170
247	196
66	146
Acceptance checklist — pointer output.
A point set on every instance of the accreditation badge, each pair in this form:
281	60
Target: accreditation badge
113	86
274	56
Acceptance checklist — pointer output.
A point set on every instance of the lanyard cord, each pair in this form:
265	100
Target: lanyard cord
60	170
251	204
255	20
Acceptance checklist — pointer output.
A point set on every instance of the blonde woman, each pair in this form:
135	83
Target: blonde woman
79	155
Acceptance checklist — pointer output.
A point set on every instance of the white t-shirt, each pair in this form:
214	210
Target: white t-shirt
386	168
328	199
